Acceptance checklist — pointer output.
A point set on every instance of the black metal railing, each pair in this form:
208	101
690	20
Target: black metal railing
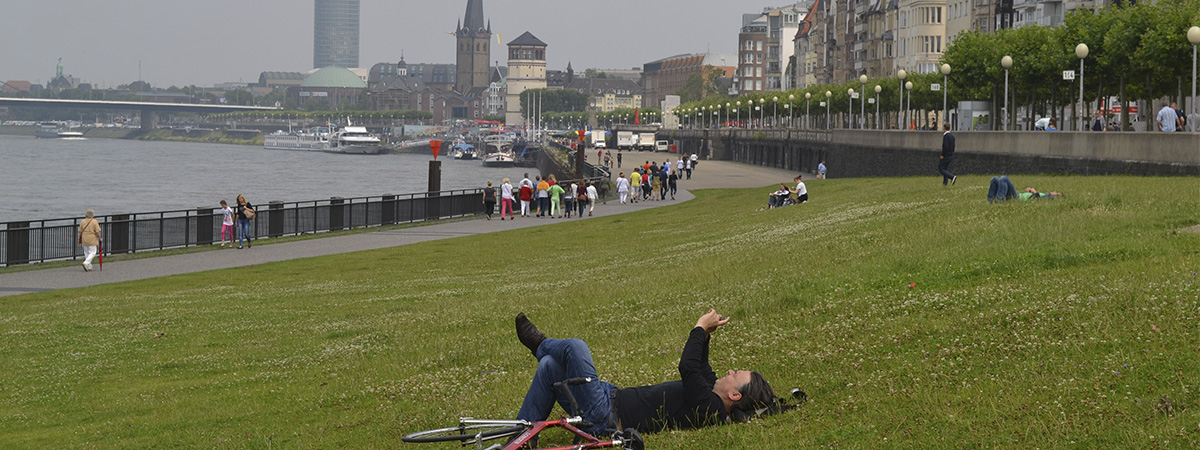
56	239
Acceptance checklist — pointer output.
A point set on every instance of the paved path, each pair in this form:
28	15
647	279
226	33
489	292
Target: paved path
708	174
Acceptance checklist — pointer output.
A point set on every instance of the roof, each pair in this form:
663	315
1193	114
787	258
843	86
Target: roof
474	17
282	75
334	77
527	39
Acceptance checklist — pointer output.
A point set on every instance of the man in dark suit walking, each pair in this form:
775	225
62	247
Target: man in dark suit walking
946	156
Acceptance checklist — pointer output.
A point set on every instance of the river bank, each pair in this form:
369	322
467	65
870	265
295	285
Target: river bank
235	137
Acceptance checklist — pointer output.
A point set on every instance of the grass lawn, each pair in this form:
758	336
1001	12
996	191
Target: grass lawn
914	316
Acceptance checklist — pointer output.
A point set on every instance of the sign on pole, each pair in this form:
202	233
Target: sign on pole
1068	75
871	101
935	87
854	95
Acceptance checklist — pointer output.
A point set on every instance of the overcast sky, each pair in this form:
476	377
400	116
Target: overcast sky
182	42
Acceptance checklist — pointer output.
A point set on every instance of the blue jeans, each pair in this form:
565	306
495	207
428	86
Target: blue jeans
557	361
943	168
543	206
243	231
1001	189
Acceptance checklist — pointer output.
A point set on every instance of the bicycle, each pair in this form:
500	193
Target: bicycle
525	433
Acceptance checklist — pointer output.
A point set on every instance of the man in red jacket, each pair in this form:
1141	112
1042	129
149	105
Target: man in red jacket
698	398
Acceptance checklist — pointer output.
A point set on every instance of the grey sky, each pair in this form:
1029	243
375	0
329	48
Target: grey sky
191	42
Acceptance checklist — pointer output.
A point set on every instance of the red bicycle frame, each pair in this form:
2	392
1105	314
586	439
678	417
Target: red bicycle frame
589	441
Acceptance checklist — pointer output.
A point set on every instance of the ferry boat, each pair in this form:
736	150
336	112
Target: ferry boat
52	131
313	139
353	140
465	151
498	153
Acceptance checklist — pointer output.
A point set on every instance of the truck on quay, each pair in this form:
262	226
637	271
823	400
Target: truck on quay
646	141
598	139
624	140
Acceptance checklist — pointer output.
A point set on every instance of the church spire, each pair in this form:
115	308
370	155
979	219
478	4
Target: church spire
473	20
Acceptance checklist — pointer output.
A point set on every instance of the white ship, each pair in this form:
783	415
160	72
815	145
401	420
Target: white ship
353	140
498	152
313	139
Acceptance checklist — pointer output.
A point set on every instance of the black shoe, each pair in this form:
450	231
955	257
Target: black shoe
528	334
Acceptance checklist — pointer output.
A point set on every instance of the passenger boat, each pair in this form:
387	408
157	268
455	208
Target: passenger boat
354	141
465	152
312	139
53	131
498	153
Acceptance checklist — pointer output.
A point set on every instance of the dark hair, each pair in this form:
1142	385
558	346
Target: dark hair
755	394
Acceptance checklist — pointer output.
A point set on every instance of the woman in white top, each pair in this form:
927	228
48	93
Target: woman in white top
591	196
506	199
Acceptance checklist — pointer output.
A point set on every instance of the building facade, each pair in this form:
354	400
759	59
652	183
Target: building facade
526	70
474	51
668	75
335	33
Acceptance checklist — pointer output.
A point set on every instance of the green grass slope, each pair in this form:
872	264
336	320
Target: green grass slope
915	316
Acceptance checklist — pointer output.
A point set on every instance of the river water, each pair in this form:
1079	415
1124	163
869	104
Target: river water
54	178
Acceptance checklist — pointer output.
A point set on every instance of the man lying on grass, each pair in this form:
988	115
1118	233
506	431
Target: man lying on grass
698	398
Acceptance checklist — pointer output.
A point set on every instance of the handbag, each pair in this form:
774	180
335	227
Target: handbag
249	213
583	198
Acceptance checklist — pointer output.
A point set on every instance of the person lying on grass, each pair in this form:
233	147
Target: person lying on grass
1001	189
698	398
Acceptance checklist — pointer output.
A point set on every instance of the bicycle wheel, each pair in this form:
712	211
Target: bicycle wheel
464	432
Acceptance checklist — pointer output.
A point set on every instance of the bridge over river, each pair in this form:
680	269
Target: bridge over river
149	111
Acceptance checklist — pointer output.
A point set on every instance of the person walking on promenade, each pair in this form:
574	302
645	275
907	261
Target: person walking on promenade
506	199
687	165
569	199
635	186
646	184
946	156
696	398
655	183
1167	119
226	222
678	166
673	181
695	160
618	159
555	193
662	183
581	197
245	212
89	238
591	197
622	187
489	200
543	196
821	170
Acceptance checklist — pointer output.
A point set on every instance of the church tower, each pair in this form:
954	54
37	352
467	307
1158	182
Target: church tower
474	54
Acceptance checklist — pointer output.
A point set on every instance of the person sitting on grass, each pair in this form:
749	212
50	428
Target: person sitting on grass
779	196
1001	189
696	399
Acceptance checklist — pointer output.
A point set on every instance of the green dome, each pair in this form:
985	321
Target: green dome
334	77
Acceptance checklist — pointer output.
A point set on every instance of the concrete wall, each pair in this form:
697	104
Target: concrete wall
857	153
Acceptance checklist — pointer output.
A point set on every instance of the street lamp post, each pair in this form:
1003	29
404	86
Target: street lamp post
807	103
1081	51
899	112
762	112
862	102
945	91
1193	36
739	112
774	111
827	101
792	113
726	121
878	124
1007	62
850	98
908	87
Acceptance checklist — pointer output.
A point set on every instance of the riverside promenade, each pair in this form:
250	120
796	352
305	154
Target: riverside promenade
708	175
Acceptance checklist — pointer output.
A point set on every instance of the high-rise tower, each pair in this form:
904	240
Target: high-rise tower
335	33
474	53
